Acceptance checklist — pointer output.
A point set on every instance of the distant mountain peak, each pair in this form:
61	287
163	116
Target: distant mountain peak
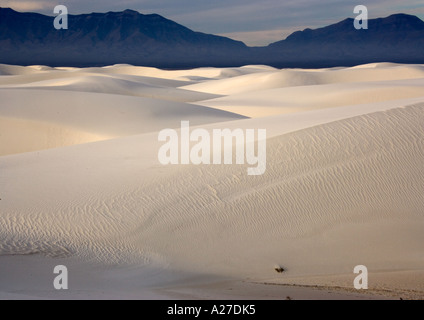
395	25
402	21
105	38
7	10
402	16
130	11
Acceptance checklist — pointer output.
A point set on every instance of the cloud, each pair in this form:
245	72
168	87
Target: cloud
24	5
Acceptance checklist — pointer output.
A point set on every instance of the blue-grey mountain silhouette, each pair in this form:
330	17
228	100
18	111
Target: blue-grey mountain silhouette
152	40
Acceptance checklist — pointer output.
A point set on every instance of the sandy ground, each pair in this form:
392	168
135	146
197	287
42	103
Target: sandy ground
81	184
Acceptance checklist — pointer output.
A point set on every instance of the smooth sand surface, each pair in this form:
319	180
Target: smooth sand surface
81	184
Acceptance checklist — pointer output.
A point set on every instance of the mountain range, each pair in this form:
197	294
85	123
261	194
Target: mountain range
151	40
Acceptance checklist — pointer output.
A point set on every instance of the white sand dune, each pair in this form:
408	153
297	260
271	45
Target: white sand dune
59	76
87	117
271	79
343	186
96	84
7	70
24	135
298	98
199	74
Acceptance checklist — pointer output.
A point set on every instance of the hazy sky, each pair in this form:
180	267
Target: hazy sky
254	22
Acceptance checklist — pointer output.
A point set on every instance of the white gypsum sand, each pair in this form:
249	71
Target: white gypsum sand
81	184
